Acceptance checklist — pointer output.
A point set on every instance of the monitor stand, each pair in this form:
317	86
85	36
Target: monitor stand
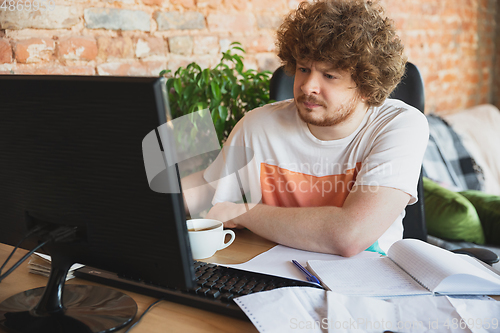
66	308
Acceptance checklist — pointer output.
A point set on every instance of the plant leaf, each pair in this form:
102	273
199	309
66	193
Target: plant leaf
178	86
239	48
206	75
222	112
215	90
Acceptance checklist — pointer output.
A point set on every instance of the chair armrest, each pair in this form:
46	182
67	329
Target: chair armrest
485	255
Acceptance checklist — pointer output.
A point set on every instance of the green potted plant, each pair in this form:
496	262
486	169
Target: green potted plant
227	90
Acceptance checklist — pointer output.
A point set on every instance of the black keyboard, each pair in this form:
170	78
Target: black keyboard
216	287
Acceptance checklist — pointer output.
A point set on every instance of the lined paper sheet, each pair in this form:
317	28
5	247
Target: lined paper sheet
366	277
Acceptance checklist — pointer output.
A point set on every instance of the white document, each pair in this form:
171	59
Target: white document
278	261
291	309
304	309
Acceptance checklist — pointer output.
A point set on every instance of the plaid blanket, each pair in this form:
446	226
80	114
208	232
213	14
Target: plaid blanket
446	160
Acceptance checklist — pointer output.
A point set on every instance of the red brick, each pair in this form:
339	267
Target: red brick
34	50
240	5
137	68
54	70
115	47
241	22
256	44
449	78
206	45
150	46
189	4
181	45
77	48
485	90
5	51
211	4
267	5
154	2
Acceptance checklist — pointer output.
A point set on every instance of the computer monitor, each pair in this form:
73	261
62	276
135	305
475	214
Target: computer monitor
72	156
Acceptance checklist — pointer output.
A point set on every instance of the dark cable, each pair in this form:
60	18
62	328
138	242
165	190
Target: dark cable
56	235
30	233
12	253
145	311
20	261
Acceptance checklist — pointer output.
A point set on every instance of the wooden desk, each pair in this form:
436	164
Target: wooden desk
165	316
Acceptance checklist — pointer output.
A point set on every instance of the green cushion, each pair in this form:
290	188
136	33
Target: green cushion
488	210
449	215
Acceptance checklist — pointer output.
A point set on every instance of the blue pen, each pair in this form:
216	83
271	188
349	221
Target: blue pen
309	276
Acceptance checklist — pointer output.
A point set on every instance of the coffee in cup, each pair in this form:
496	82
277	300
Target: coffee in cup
207	236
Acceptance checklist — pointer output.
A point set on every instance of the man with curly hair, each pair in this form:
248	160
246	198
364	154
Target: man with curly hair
333	169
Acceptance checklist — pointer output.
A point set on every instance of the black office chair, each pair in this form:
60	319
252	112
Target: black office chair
411	91
280	85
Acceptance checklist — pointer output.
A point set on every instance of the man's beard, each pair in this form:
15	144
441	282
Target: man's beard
334	117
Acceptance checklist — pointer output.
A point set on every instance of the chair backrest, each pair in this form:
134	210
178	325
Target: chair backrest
281	85
411	91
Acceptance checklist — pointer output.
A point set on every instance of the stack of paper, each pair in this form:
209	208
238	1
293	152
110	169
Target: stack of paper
40	264
299	309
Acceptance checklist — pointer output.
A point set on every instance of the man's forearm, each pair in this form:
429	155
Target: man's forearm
318	229
345	230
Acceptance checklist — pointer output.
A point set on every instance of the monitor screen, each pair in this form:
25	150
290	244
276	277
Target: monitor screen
72	155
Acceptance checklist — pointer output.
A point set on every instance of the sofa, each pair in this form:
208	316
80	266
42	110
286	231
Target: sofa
461	178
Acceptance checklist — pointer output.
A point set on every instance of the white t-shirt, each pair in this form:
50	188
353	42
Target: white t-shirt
274	157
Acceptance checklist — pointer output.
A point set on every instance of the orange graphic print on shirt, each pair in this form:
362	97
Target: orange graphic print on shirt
285	188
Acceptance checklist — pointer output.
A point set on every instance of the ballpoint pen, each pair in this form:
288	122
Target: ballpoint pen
309	276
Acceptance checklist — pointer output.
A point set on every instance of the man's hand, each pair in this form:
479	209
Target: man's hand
227	212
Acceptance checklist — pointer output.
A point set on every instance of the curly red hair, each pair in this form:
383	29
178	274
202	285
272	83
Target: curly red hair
352	35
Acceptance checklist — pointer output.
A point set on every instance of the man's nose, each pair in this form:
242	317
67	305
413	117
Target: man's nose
311	84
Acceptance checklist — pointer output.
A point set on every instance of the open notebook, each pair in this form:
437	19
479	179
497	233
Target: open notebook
412	267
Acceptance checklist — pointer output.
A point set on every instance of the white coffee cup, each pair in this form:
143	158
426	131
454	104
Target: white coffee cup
207	237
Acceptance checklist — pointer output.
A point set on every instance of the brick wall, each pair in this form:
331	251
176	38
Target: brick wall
496	87
453	42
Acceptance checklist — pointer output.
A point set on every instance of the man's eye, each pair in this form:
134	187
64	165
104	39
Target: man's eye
328	76
302	69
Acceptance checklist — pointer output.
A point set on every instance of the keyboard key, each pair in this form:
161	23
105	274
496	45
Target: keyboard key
227	289
213	293
240	284
214	277
202	291
226	297
218	286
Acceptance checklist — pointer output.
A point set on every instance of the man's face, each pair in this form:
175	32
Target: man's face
324	96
